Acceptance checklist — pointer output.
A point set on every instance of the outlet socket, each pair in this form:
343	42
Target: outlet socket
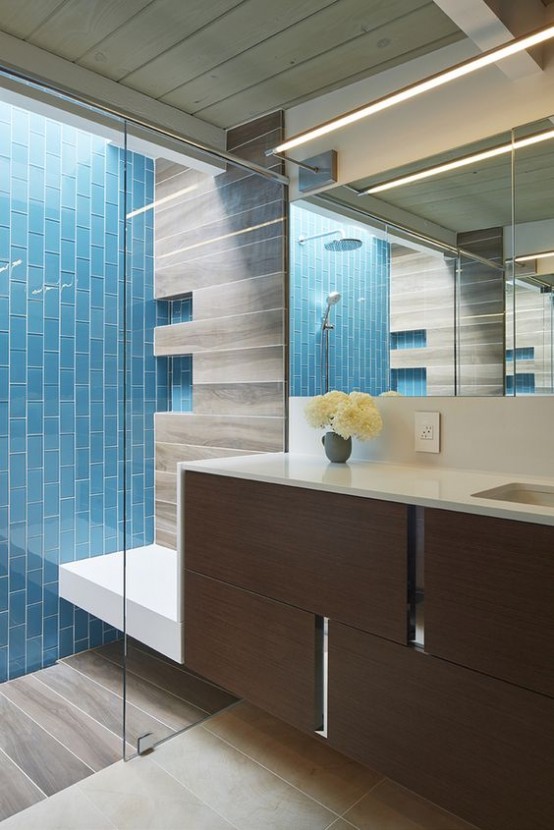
427	431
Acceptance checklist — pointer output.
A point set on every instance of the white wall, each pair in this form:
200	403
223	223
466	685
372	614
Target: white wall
508	435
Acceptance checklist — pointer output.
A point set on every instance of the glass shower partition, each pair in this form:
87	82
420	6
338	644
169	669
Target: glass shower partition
164	182
95	357
64	455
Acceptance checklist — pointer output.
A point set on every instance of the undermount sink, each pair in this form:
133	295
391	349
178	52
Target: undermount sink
540	495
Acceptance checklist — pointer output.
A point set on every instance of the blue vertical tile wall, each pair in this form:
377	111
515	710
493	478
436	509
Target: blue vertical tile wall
180	368
359	342
62	302
409	381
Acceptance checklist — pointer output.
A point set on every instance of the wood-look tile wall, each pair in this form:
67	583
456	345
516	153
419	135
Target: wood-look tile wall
422	297
481	305
223	240
423	294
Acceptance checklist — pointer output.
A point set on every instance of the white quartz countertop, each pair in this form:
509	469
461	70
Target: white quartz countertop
449	489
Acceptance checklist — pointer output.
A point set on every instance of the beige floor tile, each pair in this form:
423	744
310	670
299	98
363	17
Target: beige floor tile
251	797
67	810
300	759
138	795
341	824
391	807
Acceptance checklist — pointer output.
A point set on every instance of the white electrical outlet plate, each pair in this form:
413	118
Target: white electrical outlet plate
427	431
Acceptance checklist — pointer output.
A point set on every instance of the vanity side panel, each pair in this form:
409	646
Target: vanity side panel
338	556
262	650
477	746
489	596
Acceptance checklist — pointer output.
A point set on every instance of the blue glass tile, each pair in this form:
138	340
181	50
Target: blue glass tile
3	559
34	619
522	353
50	632
16	643
50	602
524	383
67	642
4	629
415	339
63	317
33	658
34	588
3	664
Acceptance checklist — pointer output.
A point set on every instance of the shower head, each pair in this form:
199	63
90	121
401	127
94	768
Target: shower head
343	243
332	299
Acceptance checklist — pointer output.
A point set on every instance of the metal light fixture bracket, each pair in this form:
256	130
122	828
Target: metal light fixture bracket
316	171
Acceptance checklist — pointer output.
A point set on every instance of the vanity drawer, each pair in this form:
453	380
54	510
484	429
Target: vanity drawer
477	746
489	596
337	556
264	651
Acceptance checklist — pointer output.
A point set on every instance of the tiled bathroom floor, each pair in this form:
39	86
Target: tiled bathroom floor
239	770
62	724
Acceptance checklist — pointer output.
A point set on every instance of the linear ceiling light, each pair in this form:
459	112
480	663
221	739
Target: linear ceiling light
461	162
434	81
529	257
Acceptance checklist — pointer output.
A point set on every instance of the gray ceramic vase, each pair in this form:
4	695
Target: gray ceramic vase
337	448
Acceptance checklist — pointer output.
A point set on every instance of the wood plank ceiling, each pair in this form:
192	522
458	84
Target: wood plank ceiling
228	61
477	196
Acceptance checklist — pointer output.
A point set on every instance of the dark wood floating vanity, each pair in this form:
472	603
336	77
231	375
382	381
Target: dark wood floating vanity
465	718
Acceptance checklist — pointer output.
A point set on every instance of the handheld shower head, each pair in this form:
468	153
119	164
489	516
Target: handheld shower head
332	299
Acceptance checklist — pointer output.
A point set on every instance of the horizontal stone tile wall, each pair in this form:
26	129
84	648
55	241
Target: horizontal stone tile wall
481	307
222	244
422	300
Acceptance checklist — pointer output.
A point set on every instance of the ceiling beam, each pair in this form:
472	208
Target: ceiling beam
65	76
489	23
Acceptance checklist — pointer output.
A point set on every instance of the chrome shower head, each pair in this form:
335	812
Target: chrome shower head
332	299
343	243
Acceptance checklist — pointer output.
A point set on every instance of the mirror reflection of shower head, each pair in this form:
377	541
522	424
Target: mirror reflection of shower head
332	299
341	243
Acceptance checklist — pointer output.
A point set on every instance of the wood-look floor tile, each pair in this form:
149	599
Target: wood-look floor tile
302	760
18	791
180	683
50	765
92	743
164	706
101	704
67	810
248	795
391	807
138	795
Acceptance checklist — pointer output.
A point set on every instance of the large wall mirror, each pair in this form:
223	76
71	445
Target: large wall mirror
433	279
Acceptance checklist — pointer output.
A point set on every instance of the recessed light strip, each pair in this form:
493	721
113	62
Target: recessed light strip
220	238
434	81
529	257
162	201
460	162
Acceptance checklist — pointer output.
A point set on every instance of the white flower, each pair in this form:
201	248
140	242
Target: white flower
320	411
354	415
390	394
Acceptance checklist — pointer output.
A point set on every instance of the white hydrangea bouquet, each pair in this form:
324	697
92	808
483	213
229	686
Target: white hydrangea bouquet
350	416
